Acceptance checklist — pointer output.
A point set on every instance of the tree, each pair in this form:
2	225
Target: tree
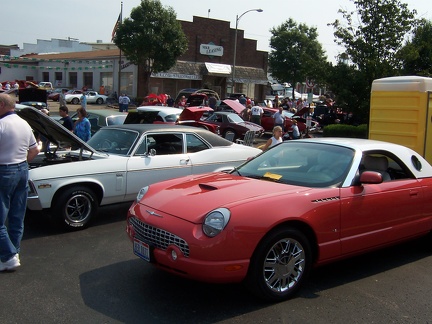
151	38
416	55
372	42
296	54
347	83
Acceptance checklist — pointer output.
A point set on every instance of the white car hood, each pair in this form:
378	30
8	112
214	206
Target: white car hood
52	130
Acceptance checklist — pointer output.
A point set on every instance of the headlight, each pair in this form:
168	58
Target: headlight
141	193
215	221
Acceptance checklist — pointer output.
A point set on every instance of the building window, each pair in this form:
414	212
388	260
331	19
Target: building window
45	76
58	79
73	80
88	80
126	85
107	82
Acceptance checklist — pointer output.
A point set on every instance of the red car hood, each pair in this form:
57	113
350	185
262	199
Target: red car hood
192	197
302	111
234	105
193	113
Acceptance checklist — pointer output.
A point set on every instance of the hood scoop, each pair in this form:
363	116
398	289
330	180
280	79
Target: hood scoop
207	187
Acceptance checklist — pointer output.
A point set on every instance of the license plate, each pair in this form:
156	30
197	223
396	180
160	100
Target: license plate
141	249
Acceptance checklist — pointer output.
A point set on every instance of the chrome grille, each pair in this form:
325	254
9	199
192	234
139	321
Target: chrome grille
158	237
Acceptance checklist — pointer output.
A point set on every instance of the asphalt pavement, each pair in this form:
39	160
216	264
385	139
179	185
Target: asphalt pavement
92	276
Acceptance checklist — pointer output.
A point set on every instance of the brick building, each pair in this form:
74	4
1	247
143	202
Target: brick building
206	64
209	58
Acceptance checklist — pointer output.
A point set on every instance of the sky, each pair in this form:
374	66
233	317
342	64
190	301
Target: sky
92	20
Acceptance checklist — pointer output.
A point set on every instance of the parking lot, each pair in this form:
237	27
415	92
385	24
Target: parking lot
92	276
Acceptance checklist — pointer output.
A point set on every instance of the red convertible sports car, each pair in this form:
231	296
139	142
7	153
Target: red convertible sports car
295	206
267	120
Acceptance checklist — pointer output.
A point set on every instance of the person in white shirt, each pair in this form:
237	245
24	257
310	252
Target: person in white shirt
296	131
275	139
279	118
124	102
256	113
17	146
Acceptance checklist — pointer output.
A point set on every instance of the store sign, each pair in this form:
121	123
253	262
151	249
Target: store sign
211	50
176	76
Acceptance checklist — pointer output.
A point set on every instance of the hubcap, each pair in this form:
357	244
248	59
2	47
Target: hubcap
78	208
284	265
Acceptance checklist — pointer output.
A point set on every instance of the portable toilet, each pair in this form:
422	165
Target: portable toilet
400	112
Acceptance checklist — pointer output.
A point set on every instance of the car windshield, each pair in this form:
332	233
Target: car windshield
113	140
302	164
234	118
116	120
287	114
172	118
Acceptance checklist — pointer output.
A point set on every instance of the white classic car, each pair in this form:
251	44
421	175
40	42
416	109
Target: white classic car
116	162
153	115
92	97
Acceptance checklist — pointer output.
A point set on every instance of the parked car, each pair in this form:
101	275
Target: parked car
55	94
153	115
220	122
116	162
297	205
267	120
46	85
100	117
188	91
92	97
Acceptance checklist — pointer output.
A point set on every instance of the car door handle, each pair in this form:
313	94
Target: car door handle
184	161
413	193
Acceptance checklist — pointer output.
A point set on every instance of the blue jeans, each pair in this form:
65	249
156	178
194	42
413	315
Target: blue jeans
13	203
123	107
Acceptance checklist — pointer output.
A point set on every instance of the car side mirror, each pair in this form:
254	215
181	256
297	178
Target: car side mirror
371	177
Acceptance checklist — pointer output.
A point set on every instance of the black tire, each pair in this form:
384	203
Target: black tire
75	207
99	101
279	265
75	101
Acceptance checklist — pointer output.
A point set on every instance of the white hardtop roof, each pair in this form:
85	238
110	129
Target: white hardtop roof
403	83
171	110
403	152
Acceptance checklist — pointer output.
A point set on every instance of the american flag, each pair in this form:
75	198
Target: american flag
115	27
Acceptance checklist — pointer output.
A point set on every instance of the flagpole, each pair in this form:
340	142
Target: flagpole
120	56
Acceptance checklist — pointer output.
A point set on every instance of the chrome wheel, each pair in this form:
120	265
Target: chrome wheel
279	264
78	208
284	265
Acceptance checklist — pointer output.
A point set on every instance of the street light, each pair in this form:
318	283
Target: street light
235	44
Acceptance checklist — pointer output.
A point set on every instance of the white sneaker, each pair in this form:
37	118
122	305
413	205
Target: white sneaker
11	264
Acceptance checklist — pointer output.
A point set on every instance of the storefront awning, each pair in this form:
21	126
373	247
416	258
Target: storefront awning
250	75
182	70
217	68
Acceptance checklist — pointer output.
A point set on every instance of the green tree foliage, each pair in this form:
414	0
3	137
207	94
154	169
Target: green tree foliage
416	55
348	84
296	54
372	38
151	38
